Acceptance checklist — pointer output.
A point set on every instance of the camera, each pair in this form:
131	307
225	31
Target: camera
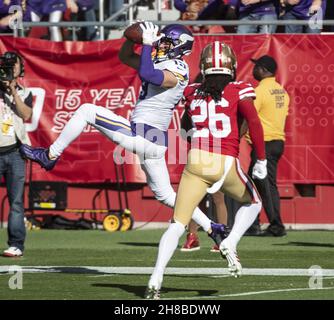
7	63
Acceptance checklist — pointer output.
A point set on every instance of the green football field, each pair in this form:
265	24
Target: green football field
101	265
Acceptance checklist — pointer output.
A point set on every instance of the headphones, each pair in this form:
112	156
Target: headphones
10	55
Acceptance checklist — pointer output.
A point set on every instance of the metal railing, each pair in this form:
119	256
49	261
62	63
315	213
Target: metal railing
129	9
101	18
165	22
123	24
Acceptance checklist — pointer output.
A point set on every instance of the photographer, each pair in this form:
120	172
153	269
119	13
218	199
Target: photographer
15	108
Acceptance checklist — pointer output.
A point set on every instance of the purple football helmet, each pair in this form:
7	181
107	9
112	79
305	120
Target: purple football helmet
180	37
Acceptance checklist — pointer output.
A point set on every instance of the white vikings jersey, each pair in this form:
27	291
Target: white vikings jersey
155	104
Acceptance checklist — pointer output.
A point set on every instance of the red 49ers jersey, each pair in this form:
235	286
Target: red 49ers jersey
215	124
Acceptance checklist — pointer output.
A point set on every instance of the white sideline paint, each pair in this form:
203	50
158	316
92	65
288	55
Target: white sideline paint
272	291
252	293
288	226
170	271
142	225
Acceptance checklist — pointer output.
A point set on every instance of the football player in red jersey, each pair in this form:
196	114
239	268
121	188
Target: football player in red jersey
213	107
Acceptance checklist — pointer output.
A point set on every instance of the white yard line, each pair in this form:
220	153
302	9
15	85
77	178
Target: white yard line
96	271
251	293
93	270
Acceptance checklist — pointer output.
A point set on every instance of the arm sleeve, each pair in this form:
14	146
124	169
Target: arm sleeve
248	111
146	68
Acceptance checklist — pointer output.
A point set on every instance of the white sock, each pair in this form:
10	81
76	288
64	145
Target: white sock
201	219
244	218
167	246
71	131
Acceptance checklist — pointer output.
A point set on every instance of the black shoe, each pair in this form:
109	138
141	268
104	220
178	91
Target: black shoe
254	231
274	232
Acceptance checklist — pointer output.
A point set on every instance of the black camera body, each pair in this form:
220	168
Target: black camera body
7	63
7	68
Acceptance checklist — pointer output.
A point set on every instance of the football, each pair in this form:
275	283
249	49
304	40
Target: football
134	33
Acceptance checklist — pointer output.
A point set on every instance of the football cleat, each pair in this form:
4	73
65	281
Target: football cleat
234	265
215	248
191	244
39	155
152	293
219	232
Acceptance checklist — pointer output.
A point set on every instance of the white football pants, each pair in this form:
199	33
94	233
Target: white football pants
118	129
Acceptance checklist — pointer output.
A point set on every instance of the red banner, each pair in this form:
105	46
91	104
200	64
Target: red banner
62	76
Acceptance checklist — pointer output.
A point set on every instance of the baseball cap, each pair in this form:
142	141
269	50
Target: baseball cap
267	62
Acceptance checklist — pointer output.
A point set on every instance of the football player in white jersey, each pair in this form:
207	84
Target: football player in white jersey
164	79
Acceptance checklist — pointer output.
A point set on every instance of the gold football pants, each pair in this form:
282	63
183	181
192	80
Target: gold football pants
210	172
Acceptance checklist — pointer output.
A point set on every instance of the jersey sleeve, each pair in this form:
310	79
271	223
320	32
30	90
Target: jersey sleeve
248	112
179	68
245	90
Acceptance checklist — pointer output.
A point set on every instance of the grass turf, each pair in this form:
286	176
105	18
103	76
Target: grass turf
299	249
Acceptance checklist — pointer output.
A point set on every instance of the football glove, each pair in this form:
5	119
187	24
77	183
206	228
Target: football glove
150	33
260	169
